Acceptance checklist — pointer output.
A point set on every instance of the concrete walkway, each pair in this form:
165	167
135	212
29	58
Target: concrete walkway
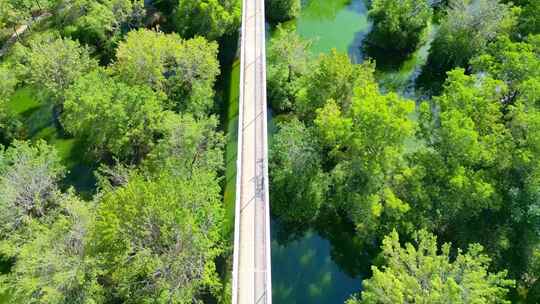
251	273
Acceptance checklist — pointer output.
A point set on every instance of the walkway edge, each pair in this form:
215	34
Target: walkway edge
238	165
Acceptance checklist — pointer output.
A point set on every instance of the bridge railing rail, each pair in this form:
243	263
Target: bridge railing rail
239	158
268	246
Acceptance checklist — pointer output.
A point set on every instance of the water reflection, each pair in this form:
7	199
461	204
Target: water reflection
303	271
323	264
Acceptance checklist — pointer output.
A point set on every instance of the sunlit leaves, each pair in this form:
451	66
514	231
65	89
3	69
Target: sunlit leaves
114	118
185	70
208	18
54	64
423	273
399	25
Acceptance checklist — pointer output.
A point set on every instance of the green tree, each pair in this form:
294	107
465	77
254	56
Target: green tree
288	59
8	82
115	119
98	23
282	10
529	21
157	239
10	125
208	18
296	177
466	31
467	152
29	175
55	63
420	273
54	266
189	145
365	142
185	70
333	76
399	25
515	63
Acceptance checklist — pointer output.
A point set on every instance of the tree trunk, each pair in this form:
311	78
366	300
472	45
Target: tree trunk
39	5
15	32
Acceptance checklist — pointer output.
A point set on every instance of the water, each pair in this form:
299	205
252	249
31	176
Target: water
339	24
305	270
326	264
323	264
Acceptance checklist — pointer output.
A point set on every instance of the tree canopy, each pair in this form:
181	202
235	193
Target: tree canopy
208	18
113	117
157	239
399	25
423	273
185	70
282	10
55	63
466	31
29	176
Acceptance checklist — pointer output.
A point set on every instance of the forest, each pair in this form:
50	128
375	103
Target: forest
115	162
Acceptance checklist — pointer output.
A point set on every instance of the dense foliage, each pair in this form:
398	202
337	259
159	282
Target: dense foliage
420	274
398	26
121	95
156	239
348	142
113	117
282	10
288	59
467	29
209	18
462	165
185	70
55	63
136	104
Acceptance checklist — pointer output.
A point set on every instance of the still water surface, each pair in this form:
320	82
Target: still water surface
304	270
326	265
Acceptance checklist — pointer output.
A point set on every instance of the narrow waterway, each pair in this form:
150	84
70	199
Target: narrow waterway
326	264
304	269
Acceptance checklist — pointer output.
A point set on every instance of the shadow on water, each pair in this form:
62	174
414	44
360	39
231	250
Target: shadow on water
401	74
320	263
304	271
323	263
326	262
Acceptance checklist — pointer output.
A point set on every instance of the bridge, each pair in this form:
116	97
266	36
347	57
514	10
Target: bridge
252	282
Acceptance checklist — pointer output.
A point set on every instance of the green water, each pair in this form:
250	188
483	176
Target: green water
303	271
39	124
232	96
325	264
306	269
339	24
343	25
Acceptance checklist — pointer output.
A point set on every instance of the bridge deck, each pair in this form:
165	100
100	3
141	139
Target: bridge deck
251	273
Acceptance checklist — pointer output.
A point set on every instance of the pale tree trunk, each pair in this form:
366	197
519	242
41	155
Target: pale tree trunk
16	33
